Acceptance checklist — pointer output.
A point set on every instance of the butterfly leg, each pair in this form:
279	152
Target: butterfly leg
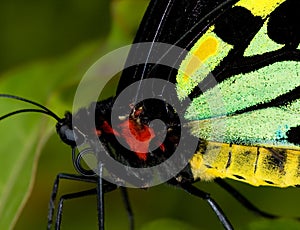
243	200
100	200
55	190
101	206
100	197
127	207
68	197
191	189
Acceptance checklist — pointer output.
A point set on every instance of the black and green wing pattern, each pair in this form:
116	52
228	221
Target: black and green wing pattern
242	75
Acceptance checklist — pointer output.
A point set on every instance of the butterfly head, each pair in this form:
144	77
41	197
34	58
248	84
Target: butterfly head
67	133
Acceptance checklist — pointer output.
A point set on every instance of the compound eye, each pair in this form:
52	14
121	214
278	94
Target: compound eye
66	134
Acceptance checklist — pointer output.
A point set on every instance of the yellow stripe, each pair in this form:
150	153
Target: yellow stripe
254	165
260	8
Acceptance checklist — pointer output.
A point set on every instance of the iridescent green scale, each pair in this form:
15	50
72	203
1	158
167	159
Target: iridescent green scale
244	81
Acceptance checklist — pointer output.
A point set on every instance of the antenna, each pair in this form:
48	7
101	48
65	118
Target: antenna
42	109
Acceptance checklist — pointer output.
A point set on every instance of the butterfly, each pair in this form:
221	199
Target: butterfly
232	108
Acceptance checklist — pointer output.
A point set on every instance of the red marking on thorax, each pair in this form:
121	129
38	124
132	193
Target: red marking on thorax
138	137
106	128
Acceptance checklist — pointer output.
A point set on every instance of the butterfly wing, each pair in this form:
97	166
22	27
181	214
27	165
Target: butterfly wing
175	22
252	94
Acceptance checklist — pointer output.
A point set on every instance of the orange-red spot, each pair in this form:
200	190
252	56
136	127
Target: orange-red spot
162	147
106	128
137	112
98	132
138	137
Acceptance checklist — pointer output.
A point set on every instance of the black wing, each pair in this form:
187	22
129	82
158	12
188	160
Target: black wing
176	22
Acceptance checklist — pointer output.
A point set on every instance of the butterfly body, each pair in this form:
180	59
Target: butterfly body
256	165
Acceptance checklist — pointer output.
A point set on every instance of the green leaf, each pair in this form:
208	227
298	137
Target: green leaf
167	224
280	224
35	29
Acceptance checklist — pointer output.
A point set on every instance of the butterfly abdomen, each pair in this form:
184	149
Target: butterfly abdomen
255	165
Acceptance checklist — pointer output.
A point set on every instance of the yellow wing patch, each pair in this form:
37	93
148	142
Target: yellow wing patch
207	48
260	8
206	54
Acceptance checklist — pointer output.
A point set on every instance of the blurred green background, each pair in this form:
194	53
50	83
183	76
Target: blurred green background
45	48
